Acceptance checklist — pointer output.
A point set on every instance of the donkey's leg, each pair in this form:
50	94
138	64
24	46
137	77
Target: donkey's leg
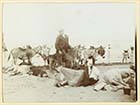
44	62
123	60
48	62
81	61
15	61
23	60
29	61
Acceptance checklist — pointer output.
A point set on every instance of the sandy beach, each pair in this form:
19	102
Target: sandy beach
28	88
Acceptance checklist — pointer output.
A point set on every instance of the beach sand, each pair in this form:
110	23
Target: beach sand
28	88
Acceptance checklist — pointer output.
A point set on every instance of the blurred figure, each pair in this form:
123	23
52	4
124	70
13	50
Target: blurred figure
125	56
62	42
132	55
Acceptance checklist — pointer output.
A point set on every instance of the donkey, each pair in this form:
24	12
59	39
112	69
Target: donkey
23	53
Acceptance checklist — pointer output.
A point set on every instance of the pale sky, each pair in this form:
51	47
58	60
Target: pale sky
85	23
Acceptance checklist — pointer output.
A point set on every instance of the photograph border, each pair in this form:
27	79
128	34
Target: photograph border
137	43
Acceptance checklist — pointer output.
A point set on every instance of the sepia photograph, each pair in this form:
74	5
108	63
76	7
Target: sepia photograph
69	52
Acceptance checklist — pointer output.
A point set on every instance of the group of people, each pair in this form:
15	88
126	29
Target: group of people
87	73
113	79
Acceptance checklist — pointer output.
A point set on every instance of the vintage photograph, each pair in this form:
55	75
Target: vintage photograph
69	52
